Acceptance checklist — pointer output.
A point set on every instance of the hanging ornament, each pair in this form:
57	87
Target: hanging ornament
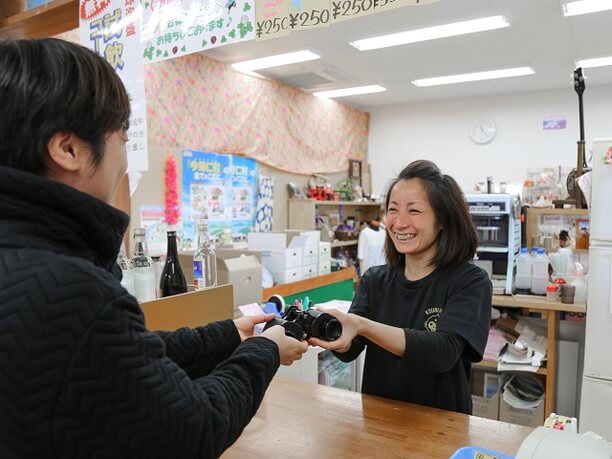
172	203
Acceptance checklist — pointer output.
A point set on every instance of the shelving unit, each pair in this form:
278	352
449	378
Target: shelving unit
533	214
301	212
50	19
552	310
343	243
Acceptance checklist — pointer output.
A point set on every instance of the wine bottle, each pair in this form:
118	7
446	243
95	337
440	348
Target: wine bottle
172	280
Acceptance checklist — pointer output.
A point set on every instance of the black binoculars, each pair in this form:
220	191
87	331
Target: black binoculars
304	324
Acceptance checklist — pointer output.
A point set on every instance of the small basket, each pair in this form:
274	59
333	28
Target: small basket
345	235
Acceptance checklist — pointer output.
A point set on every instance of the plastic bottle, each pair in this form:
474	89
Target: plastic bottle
204	260
539	277
523	272
127	278
580	295
144	272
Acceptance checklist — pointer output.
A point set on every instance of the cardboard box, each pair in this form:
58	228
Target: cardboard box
285	259
486	407
324	267
287	276
189	309
310	271
235	252
244	274
324	251
531	418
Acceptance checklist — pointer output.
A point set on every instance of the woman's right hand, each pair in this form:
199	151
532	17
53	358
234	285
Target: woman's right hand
289	349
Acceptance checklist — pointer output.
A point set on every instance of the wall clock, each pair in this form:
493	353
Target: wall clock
483	131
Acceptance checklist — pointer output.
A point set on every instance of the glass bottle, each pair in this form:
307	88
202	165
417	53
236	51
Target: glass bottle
172	280
144	273
204	260
127	272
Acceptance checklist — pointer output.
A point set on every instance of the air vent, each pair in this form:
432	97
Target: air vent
304	80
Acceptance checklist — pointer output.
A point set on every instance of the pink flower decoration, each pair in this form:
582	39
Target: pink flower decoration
172	205
608	158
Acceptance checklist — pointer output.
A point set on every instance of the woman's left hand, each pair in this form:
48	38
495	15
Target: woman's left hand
246	325
350	329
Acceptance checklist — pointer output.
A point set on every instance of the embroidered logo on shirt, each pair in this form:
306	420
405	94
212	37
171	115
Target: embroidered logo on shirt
431	318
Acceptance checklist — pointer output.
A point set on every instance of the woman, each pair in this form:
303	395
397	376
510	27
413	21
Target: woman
80	374
425	315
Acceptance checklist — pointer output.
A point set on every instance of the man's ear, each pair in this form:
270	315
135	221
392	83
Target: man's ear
67	152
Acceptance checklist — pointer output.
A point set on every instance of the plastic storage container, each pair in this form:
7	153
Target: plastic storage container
552	292
539	277
522	281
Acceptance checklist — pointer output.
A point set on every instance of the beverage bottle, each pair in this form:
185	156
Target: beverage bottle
204	260
523	272
539	278
127	272
580	295
172	280
144	274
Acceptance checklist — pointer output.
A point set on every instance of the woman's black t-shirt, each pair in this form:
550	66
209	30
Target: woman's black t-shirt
454	304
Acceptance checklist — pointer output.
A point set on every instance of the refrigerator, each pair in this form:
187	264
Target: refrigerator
596	399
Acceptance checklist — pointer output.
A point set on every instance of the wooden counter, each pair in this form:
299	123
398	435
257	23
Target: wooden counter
298	420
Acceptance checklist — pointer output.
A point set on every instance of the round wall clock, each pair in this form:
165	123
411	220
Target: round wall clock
483	131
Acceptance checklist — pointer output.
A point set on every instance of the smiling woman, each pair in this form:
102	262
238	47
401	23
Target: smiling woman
425	315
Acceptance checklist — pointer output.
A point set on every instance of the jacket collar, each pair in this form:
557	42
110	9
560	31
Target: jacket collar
40	213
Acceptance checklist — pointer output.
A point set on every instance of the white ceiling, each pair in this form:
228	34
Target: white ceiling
539	36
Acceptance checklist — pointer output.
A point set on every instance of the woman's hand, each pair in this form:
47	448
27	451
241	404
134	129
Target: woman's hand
351	327
246	325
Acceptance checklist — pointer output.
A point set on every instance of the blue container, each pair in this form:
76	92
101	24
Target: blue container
473	452
35	3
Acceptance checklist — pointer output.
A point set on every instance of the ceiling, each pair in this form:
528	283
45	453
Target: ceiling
539	36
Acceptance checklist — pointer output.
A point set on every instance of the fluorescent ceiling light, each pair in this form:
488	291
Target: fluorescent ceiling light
585	7
431	33
595	62
274	61
465	77
350	91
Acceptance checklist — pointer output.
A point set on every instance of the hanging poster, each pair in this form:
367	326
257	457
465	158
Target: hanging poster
172	28
220	188
244	194
112	29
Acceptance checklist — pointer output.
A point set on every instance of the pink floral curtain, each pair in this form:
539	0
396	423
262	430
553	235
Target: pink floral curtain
199	103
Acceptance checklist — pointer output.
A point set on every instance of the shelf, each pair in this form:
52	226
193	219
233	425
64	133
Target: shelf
342	203
535	302
50	19
488	365
309	284
343	243
551	211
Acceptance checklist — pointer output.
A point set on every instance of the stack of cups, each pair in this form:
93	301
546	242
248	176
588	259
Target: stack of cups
567	293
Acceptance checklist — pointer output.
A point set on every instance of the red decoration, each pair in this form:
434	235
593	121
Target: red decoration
172	202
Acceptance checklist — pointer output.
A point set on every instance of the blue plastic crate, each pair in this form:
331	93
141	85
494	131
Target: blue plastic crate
473	452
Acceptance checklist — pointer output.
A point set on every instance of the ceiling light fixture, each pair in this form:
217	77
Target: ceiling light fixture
594	62
350	91
465	77
431	33
585	7
250	66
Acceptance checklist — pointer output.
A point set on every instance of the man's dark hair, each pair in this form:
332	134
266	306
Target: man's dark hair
49	86
457	240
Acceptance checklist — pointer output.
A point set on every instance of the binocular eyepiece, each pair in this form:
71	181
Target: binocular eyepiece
310	323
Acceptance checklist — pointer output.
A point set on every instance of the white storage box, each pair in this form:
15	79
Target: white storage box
282	260
287	276
324	251
310	271
324	267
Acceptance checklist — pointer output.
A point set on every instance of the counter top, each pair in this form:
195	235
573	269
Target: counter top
298	420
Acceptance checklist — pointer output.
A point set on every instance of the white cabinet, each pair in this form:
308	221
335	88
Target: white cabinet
318	366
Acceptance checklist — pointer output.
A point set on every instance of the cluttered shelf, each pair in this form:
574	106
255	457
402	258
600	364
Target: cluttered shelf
52	18
536	302
344	243
349	203
490	365
550	211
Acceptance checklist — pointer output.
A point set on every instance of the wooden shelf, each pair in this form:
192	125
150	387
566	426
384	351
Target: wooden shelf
344	243
50	19
488	365
309	284
536	302
341	203
551	211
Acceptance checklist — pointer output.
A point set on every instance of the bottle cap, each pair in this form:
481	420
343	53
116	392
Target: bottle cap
552	288
524	250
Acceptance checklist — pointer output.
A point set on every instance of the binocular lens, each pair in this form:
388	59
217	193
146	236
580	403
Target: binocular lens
332	330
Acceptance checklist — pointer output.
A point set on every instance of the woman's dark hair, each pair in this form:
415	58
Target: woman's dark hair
49	86
457	240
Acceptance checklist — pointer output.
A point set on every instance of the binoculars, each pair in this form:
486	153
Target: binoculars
304	324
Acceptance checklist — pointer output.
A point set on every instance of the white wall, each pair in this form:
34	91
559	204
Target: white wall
439	131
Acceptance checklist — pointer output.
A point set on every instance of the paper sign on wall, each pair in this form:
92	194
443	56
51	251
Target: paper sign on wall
173	28
112	29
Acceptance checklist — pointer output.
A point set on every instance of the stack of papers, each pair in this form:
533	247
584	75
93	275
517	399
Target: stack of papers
496	342
527	352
